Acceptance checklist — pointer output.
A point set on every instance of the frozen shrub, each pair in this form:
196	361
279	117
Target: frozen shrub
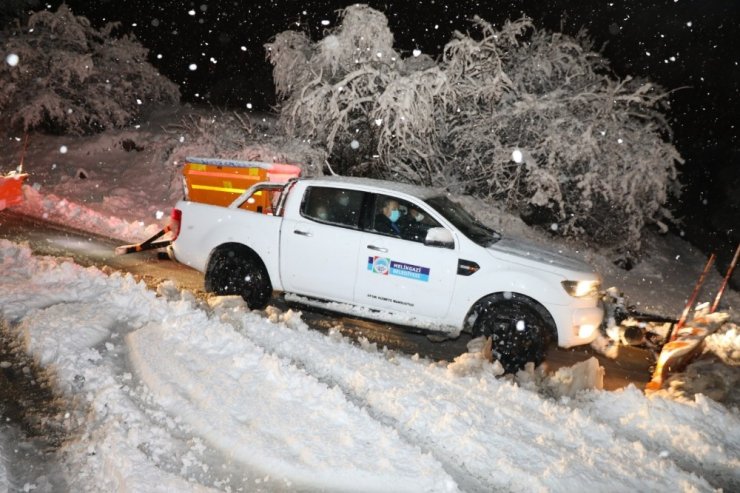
529	118
595	159
73	78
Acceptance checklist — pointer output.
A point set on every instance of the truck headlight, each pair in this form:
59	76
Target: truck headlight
581	289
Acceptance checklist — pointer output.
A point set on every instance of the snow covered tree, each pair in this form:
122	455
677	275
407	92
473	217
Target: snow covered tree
64	76
530	118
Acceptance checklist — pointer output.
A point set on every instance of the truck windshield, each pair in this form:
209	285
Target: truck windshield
464	221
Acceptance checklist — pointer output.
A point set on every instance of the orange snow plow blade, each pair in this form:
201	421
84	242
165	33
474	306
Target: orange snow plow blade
221	181
10	189
686	343
677	354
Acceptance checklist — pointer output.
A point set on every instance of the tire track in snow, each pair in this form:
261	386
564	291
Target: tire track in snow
490	434
271	415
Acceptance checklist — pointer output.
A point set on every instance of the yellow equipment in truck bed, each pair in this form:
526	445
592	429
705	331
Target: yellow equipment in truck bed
221	181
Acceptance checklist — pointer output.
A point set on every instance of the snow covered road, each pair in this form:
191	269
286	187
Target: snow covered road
164	393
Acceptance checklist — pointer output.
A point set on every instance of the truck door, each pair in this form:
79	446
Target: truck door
396	271
319	246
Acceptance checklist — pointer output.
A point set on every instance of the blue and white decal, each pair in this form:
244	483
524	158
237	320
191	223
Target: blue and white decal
385	266
379	265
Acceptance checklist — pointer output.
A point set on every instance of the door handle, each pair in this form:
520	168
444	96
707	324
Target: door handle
377	249
302	233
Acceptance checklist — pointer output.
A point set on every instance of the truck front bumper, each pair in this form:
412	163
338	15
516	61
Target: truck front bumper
577	325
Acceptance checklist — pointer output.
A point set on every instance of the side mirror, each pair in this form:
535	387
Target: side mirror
439	237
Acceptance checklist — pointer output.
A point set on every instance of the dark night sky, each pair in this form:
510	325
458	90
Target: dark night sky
686	44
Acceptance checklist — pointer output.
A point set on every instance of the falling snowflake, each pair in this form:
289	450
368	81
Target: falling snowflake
517	156
354	144
63	149
416	52
193	67
12	59
324	23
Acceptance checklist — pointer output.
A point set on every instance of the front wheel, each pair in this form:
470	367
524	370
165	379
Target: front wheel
234	272
519	333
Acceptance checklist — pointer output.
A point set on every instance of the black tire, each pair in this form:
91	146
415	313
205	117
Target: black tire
237	271
518	331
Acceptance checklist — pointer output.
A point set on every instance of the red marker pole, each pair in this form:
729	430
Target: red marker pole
692	299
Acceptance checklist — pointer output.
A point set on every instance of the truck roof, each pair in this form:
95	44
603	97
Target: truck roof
371	184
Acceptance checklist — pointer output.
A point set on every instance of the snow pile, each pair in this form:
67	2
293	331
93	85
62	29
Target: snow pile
725	343
671	429
62	211
569	381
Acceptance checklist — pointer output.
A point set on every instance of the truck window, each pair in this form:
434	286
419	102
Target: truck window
400	218
333	205
466	223
262	201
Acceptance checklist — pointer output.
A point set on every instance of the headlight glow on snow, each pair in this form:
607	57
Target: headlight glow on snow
581	289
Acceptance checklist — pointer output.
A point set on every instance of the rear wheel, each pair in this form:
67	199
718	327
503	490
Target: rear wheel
237	271
518	331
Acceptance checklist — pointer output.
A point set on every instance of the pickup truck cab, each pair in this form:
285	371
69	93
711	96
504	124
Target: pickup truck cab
395	253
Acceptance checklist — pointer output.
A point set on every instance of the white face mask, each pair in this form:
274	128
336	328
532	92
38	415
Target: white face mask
343	200
419	217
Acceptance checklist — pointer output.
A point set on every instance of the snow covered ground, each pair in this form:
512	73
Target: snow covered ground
160	391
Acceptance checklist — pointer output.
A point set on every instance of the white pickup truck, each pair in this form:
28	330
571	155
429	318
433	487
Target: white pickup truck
394	253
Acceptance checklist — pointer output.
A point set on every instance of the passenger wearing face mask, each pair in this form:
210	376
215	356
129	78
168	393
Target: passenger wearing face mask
386	221
411	225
